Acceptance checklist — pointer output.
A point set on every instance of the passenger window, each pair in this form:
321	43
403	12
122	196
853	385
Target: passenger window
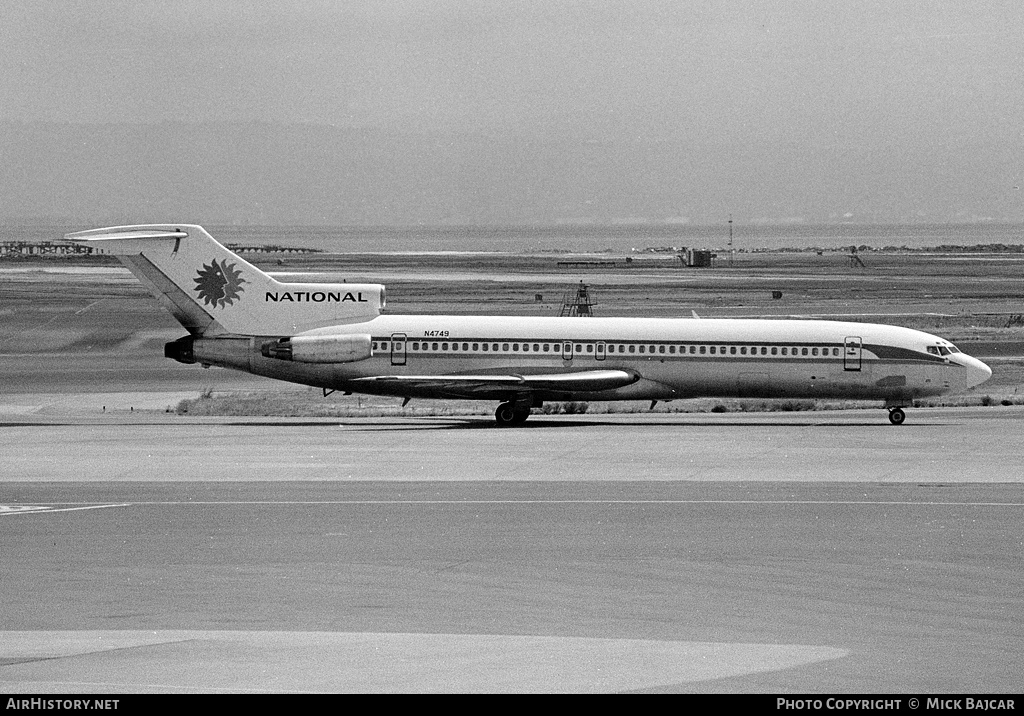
579	347
743	350
803	351
504	346
775	351
536	347
546	347
661	349
374	345
712	349
814	351
476	347
732	350
515	346
444	346
672	349
643	349
590	348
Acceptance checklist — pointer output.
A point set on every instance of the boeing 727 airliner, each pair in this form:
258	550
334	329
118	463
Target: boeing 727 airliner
336	337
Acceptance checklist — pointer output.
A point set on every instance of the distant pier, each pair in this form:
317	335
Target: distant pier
13	249
271	249
22	249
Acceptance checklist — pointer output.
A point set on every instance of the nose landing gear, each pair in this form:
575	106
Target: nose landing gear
897	416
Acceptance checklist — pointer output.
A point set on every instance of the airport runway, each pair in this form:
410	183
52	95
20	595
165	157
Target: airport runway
809	552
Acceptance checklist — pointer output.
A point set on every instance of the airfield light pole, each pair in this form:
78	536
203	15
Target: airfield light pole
732	252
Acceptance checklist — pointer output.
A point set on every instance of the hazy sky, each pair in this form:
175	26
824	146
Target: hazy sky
866	78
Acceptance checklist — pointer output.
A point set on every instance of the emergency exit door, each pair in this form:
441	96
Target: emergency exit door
398	348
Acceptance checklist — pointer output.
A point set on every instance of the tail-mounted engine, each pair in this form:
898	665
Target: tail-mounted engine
181	350
320	349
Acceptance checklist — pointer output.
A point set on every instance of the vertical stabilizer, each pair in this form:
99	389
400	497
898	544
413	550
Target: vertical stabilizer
212	291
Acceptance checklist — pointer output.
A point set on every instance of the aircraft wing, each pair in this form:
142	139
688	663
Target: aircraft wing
482	386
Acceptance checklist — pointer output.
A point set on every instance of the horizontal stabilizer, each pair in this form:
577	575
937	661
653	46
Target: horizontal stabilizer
121	232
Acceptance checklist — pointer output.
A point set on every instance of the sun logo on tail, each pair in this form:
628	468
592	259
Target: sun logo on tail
219	284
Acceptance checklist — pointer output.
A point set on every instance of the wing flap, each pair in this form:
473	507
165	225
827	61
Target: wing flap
587	381
488	385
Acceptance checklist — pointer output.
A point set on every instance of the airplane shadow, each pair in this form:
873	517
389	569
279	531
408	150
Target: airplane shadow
487	424
484	423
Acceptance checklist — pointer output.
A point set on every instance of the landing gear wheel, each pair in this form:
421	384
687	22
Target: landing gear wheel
507	415
897	416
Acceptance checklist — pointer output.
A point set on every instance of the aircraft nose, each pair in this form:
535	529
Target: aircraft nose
977	372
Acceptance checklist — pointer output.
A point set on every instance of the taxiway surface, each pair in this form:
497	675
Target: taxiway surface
772	552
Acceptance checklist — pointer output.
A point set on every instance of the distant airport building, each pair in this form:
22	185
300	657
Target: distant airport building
696	258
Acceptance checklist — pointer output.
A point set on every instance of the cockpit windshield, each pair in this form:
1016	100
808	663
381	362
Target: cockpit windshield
941	350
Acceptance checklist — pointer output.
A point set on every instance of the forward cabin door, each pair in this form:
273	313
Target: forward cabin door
600	350
852	353
397	349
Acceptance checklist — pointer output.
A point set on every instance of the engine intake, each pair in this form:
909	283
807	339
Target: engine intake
320	349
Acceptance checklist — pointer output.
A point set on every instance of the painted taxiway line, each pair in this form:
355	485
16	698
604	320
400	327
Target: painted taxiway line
46	509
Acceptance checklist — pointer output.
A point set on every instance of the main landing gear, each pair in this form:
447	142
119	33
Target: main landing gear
510	414
897	416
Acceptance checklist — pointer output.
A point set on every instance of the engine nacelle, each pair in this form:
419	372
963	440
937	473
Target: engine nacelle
181	350
320	349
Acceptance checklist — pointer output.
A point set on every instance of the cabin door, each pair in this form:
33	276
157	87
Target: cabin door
600	351
567	351
397	349
852	353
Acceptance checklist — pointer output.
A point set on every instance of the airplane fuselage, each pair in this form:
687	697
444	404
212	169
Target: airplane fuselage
671	358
